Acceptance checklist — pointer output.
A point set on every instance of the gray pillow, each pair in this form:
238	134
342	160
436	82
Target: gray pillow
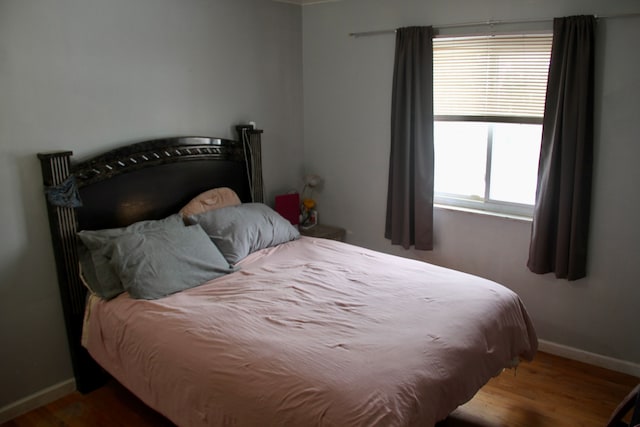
95	249
240	230
88	274
155	263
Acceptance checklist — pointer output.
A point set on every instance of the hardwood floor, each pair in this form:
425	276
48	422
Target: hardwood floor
550	392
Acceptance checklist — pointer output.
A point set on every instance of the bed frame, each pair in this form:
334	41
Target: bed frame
145	180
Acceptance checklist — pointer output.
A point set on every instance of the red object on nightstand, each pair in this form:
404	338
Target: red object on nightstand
288	205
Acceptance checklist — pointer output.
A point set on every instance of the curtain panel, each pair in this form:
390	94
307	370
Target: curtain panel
560	227
409	219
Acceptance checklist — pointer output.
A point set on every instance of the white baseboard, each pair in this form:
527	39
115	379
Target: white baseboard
590	358
37	400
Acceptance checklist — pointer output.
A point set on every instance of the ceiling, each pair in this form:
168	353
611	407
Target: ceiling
305	2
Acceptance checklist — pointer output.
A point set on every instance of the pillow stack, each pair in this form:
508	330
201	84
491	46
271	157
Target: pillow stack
153	259
243	229
149	259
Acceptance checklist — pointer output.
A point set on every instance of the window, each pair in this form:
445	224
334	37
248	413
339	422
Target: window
489	94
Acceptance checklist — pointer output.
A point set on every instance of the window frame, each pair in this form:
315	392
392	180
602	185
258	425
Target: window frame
486	204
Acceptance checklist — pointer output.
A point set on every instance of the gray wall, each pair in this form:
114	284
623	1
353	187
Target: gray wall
87	75
347	93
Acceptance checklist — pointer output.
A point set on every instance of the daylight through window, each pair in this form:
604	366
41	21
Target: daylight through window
489	94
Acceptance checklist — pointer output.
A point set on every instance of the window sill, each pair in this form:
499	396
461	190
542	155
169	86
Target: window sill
483	212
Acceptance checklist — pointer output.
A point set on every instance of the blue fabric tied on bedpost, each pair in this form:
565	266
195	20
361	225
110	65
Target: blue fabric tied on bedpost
65	194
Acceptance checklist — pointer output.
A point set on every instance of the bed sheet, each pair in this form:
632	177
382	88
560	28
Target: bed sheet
314	332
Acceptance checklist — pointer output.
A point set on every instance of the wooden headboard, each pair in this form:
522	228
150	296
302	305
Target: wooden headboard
146	180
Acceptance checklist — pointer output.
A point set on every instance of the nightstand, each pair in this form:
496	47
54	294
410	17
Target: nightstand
325	232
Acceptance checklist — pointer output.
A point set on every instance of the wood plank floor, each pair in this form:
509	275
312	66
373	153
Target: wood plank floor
550	392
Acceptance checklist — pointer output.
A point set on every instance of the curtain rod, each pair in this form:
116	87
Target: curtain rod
480	23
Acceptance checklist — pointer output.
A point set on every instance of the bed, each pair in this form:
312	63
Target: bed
298	331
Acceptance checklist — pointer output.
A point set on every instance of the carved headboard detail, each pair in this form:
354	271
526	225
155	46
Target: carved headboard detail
146	180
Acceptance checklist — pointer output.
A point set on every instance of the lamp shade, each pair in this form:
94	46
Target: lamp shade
312	181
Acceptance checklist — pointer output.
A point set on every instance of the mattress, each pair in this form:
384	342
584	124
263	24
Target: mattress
314	332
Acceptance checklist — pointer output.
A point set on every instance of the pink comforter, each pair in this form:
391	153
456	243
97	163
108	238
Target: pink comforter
314	332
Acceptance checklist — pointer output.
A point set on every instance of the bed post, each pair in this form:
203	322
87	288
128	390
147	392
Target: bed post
63	226
253	138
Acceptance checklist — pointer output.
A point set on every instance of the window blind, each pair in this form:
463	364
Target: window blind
502	76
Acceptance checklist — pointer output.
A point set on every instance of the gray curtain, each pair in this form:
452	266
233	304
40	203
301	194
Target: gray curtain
561	217
410	191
